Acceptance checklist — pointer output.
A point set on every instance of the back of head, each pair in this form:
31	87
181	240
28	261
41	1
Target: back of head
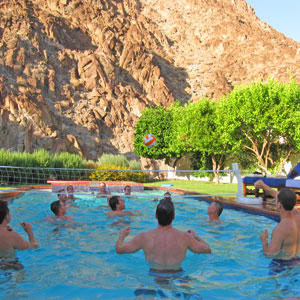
55	207
113	201
219	207
165	212
3	210
287	198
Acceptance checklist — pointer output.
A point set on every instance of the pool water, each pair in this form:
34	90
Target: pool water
78	261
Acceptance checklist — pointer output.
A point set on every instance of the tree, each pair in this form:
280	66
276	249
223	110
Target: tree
195	130
263	121
156	121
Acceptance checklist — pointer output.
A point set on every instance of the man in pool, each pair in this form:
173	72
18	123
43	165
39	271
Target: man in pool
285	242
127	190
103	190
59	210
10	240
117	204
70	191
214	211
161	245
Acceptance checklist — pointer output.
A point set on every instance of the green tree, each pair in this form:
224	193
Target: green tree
156	121
263	121
196	130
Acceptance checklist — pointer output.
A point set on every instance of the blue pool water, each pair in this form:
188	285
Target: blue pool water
79	261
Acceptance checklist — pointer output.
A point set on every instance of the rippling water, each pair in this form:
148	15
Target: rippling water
79	261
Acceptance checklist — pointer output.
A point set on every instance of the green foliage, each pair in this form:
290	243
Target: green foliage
42	158
135	165
262	120
113	159
68	160
38	166
111	173
155	121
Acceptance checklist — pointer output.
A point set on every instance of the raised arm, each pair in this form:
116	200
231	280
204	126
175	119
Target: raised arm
20	243
272	249
259	184
128	247
196	244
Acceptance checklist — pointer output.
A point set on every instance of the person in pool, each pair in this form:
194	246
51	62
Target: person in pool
117	204
59	210
127	190
285	241
214	211
103	190
10	240
70	191
161	245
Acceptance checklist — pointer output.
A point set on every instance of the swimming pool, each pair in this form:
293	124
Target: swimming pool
79	262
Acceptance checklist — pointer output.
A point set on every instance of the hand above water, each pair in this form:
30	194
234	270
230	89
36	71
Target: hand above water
124	232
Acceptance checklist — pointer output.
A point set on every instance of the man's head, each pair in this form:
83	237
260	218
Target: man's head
102	187
127	190
58	207
61	194
165	212
70	189
4	211
116	203
215	208
167	195
286	198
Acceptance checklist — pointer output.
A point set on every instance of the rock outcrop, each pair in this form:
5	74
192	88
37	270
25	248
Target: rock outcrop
75	75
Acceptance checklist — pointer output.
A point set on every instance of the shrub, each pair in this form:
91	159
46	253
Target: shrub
111	173
113	159
135	165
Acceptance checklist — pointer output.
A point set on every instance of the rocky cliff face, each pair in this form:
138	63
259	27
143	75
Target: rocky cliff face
75	75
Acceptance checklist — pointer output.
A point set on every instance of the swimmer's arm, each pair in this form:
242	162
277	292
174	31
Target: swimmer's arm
137	213
21	244
260	184
196	244
272	249
128	247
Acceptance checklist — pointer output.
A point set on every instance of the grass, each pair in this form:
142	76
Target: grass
203	187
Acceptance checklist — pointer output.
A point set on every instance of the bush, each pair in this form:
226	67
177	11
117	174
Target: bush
113	159
111	173
135	165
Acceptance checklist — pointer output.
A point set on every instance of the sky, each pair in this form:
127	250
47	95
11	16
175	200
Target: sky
282	15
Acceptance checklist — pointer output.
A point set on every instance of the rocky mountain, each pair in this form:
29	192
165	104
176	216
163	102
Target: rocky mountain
75	75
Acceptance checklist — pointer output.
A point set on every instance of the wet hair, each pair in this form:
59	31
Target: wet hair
70	186
219	207
167	196
113	201
165	212
55	206
287	198
3	210
62	191
127	186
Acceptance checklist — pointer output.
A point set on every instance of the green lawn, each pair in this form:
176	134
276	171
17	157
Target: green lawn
203	187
